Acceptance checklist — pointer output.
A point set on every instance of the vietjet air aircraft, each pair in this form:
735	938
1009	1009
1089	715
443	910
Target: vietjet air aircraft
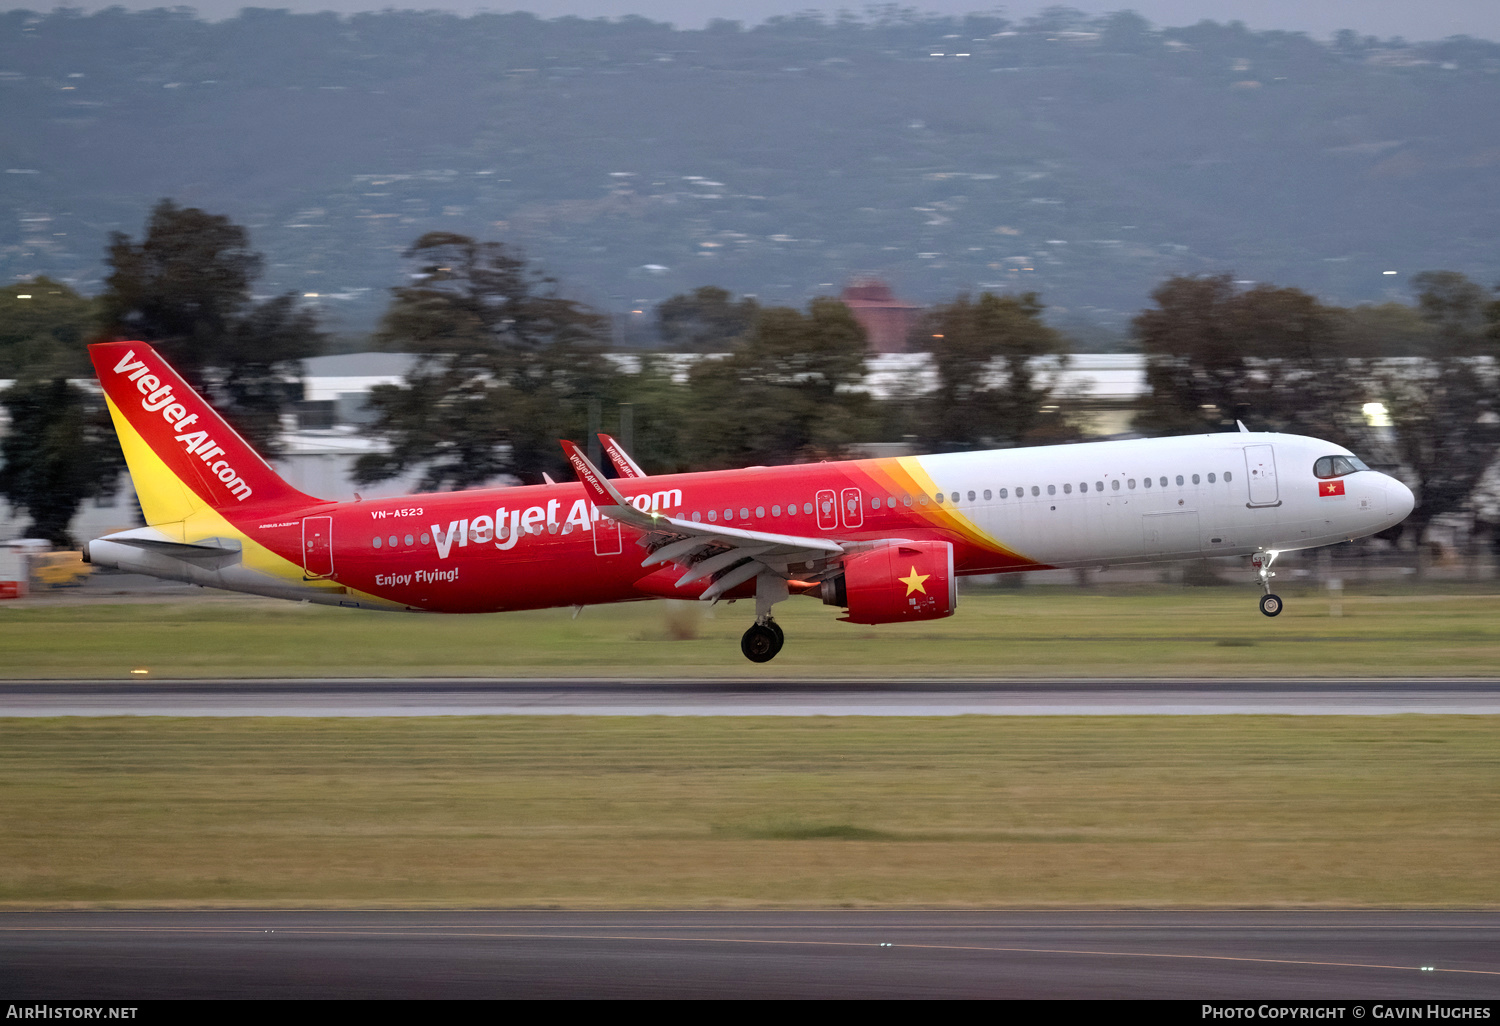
884	539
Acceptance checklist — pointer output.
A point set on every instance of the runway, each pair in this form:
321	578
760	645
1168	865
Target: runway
1363	956
595	697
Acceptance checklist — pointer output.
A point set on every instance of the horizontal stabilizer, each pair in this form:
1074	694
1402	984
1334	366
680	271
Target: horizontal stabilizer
210	553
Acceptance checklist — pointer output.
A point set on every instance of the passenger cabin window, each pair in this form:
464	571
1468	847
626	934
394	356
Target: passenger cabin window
1115	484
1210	479
1052	489
1228	476
987	495
1035	490
1195	479
1004	493
1147	482
1179	479
1067	489
1337	466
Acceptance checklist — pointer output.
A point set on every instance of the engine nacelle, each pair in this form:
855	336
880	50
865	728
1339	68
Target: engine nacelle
897	582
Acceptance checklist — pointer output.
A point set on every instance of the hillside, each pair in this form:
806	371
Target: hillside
1083	159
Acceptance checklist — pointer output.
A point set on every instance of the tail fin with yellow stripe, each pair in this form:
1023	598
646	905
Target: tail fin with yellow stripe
183	457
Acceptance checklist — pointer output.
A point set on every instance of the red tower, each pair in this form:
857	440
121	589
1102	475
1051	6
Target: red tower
886	320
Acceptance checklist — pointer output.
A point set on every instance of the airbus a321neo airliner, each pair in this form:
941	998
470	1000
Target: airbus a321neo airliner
883	539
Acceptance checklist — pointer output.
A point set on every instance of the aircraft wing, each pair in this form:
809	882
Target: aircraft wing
619	458
704	550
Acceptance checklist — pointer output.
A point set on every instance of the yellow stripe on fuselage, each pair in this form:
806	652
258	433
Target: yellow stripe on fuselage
172	508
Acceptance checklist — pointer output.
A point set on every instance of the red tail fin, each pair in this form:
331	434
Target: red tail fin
181	453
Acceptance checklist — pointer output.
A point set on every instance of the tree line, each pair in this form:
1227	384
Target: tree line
507	364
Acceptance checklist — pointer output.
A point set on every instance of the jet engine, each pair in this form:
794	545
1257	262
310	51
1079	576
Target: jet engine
897	582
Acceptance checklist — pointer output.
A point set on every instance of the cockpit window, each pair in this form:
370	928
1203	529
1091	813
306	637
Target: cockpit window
1338	466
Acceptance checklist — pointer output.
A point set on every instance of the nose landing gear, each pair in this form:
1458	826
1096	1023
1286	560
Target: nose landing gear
1270	604
762	641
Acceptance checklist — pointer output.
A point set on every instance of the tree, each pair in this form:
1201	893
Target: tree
1275	358
1444	409
506	367
186	289
44	330
791	392
989	391
705	320
1456	309
60	450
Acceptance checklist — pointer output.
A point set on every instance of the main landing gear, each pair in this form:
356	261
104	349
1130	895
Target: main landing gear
762	641
764	638
1270	604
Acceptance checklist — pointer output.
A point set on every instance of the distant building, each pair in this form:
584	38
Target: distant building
886	320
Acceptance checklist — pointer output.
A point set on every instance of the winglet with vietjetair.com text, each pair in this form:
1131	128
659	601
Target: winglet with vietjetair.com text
623	464
602	494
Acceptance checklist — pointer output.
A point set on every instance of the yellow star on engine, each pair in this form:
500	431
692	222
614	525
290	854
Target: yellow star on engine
914	582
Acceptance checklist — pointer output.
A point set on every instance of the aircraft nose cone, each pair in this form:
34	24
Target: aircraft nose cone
1399	501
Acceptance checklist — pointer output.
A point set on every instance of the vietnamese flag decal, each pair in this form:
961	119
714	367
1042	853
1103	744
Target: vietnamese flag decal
1326	488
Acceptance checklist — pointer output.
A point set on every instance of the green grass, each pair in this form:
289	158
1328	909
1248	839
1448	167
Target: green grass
1023	633
688	812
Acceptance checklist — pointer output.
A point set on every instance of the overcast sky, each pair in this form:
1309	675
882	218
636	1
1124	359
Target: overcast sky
1413	19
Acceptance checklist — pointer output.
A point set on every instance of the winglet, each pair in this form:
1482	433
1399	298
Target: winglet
1243	428
623	464
600	492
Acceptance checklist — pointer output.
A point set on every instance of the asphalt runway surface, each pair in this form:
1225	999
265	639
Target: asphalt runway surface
469	697
1360	956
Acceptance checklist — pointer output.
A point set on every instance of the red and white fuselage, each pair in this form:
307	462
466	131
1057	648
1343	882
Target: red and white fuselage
227	520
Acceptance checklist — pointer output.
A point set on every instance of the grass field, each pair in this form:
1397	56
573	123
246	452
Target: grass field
1032	632
685	812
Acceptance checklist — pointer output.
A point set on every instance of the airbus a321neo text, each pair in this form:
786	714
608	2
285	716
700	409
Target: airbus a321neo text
885	540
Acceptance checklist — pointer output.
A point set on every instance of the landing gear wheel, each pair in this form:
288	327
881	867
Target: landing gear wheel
1270	604
780	637
761	642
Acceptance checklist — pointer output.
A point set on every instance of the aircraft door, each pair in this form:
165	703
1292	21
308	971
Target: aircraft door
1175	532
317	546
1260	472
853	507
828	514
607	537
